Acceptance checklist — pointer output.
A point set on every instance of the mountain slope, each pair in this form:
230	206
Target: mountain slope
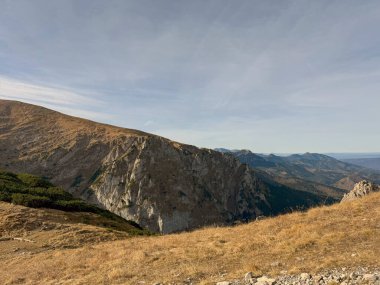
35	192
310	172
162	185
31	230
343	235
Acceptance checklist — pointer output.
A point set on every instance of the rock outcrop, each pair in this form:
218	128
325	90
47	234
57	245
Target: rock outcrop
361	189
162	185
342	276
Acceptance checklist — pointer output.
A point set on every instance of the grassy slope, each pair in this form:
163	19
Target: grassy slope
345	234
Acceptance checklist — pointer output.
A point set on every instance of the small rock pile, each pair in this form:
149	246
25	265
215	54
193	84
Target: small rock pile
340	276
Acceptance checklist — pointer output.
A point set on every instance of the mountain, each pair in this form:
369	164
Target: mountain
373	163
310	172
162	185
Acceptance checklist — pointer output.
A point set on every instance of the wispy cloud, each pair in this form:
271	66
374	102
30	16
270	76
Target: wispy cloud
51	97
268	75
16	89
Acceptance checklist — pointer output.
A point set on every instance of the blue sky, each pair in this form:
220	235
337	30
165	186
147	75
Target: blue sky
270	76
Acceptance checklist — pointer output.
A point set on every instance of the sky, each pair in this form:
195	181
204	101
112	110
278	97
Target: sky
270	76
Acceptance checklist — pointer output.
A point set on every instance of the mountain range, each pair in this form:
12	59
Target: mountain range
310	172
162	185
373	162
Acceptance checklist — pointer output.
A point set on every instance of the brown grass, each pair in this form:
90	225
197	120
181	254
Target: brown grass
340	235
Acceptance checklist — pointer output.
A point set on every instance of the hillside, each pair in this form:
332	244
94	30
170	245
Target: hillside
35	192
311	172
31	230
162	185
344	235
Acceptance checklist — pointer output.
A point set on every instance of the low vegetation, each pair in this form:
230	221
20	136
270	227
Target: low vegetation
36	192
341	235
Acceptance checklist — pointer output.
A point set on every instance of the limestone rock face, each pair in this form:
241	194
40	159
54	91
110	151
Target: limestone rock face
170	187
361	189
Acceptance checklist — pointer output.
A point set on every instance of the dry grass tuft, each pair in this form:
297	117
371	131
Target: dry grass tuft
340	235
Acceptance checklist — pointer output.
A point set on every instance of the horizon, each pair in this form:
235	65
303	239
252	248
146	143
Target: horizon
272	77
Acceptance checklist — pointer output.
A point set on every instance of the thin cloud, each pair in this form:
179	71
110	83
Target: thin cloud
19	90
54	98
253	74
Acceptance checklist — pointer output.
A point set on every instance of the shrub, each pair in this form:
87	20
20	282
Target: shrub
5	197
57	193
74	205
33	181
4	175
31	200
54	193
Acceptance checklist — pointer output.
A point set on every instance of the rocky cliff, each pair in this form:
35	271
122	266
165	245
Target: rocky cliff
163	185
361	189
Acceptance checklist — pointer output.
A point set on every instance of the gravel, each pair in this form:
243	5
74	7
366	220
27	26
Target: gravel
341	276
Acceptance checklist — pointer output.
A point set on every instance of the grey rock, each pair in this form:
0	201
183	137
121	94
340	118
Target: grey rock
344	276
361	189
265	280
249	278
369	277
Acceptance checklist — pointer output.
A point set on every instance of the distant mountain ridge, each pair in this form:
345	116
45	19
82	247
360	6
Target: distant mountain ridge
373	163
311	172
162	185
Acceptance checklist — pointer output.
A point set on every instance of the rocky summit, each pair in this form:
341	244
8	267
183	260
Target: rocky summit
361	189
160	184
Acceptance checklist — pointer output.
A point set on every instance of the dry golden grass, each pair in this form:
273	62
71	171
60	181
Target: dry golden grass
50	229
340	235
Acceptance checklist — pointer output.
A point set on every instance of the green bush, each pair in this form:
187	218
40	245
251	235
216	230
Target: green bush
57	193
31	200
54	193
33	181
9	176
5	197
74	205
